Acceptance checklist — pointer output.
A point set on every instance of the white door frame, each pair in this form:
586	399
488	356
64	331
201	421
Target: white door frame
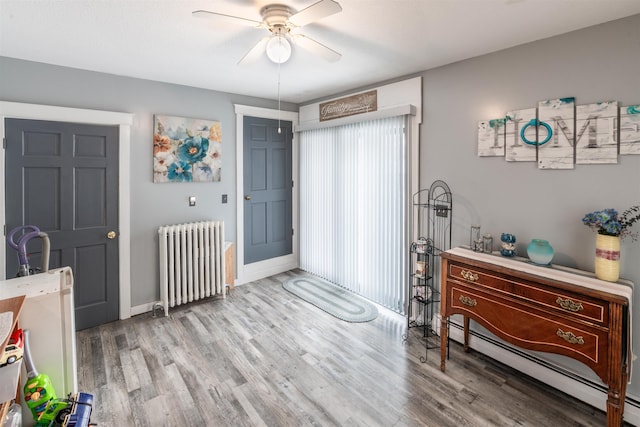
262	269
17	110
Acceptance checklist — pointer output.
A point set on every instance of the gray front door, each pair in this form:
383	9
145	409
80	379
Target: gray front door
63	178
267	189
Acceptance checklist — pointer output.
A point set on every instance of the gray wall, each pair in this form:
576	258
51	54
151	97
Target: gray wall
151	204
596	64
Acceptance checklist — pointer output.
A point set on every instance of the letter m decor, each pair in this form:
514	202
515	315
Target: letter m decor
596	140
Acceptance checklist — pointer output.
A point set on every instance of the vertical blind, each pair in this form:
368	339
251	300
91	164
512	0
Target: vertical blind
353	207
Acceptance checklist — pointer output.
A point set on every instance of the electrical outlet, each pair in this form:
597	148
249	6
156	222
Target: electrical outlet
224	198
442	211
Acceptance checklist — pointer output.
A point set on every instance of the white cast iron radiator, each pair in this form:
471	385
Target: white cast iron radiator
191	262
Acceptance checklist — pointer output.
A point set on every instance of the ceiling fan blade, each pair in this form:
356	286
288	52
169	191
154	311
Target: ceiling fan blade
315	12
208	14
317	48
255	52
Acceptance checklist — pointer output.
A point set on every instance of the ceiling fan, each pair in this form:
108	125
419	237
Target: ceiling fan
281	21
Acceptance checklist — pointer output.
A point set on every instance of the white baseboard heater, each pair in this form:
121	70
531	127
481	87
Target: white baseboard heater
191	262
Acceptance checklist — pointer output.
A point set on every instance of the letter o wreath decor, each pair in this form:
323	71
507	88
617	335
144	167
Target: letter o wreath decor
537	123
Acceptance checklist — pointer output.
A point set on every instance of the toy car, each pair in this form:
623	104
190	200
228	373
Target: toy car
81	409
74	411
57	410
14	349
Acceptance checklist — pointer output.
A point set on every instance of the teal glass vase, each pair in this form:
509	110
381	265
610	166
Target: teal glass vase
540	252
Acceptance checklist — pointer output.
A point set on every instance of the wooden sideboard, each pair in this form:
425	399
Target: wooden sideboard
543	309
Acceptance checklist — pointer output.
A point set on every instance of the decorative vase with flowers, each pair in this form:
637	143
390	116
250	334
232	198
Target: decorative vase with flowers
611	227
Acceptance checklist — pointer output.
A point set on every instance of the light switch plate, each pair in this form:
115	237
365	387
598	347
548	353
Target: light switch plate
192	200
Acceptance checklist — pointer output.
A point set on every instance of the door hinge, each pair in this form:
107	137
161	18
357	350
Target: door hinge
292	232
293	184
4	143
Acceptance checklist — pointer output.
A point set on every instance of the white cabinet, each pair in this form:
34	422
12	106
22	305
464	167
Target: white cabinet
48	313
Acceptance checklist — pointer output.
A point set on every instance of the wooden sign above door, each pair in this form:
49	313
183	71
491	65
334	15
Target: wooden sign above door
351	105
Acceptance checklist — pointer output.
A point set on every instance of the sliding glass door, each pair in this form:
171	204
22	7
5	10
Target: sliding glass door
353	185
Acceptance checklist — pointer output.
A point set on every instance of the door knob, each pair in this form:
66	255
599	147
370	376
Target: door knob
111	235
247	197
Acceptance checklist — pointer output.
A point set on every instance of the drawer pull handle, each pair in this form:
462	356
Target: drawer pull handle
570	337
569	305
469	275
468	301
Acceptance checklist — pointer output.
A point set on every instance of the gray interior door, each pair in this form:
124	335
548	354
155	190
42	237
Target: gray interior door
268	187
63	178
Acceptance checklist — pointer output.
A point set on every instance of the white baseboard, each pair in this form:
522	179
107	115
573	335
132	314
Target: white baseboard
143	308
257	271
582	388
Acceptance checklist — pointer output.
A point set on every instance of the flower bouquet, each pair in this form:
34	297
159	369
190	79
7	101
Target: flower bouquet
607	222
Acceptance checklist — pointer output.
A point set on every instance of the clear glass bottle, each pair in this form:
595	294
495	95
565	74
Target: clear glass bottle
487	243
475	236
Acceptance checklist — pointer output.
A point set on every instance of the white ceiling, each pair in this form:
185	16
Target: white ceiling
379	39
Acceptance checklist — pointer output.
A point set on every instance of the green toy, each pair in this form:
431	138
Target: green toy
38	390
56	411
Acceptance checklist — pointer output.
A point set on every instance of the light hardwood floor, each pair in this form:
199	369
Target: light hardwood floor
263	357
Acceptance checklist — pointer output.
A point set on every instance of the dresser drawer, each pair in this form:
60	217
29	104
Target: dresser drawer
530	328
551	310
575	306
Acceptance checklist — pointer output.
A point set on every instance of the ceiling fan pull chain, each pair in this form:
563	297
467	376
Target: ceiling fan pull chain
279	130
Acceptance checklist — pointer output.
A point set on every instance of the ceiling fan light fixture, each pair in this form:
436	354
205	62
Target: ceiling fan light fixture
280	20
278	49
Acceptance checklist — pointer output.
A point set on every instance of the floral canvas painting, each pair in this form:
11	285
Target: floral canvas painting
186	150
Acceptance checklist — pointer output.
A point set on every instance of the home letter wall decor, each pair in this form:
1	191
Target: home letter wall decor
559	134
